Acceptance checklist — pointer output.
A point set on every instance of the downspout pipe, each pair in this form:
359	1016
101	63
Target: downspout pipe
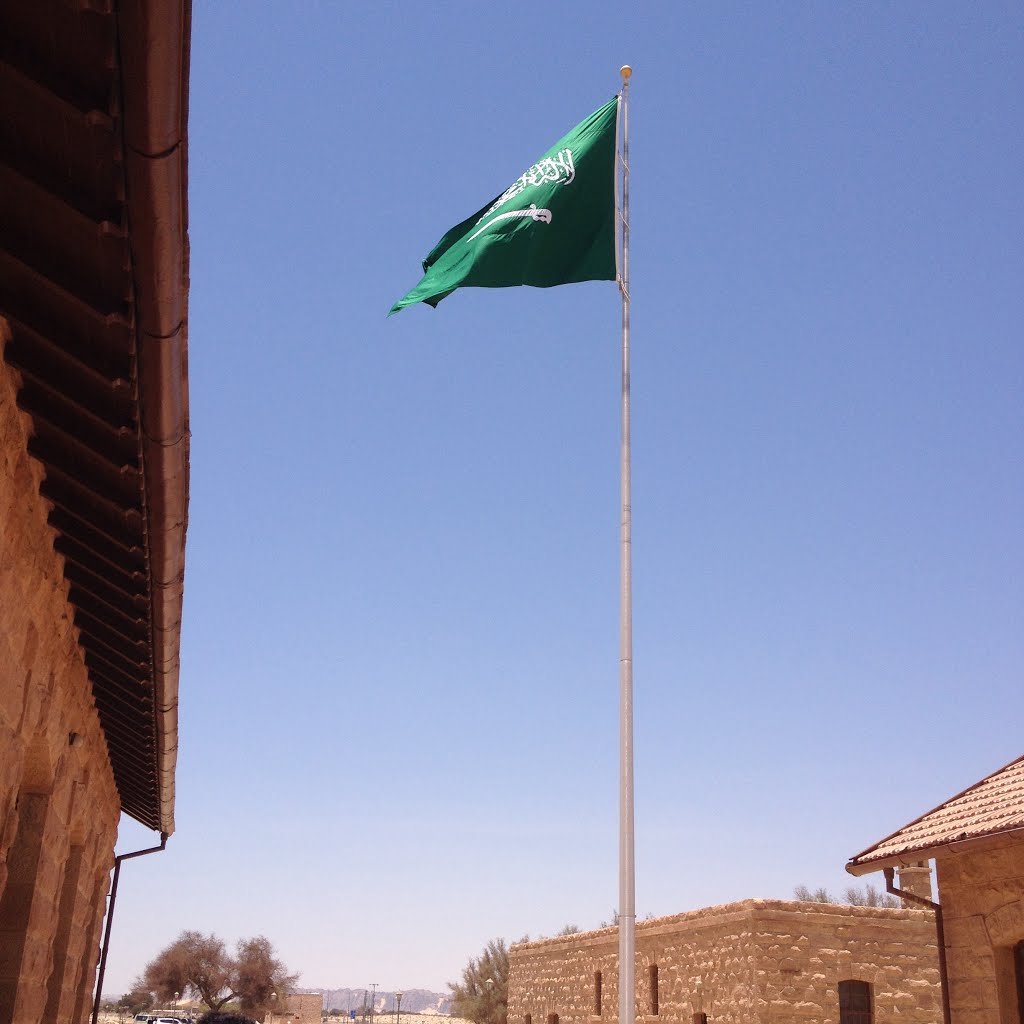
110	918
940	935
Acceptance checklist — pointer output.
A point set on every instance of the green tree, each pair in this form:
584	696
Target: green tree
137	1000
482	995
201	965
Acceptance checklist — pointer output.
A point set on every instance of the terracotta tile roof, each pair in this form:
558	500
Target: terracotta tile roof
994	805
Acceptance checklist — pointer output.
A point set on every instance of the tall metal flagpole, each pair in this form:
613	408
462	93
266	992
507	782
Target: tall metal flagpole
627	868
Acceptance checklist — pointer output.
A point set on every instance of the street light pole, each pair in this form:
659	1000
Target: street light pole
398	1007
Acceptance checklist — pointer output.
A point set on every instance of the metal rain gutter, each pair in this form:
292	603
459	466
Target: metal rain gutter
154	39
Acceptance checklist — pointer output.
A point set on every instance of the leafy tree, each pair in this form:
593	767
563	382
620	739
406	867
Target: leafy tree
137	1000
258	975
482	995
193	962
202	965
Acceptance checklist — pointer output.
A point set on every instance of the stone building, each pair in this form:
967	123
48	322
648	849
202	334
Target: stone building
753	962
299	1008
93	468
977	842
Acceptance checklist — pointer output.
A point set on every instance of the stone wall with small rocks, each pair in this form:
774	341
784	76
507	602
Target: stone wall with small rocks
981	889
756	961
59	806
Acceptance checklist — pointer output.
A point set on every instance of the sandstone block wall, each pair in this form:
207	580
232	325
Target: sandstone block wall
755	961
982	895
299	1009
59	806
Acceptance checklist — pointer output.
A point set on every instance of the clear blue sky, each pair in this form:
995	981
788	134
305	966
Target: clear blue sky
399	685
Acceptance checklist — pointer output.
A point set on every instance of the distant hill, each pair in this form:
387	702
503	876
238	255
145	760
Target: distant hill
414	1000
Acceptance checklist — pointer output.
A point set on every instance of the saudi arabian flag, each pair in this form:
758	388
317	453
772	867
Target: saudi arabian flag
555	224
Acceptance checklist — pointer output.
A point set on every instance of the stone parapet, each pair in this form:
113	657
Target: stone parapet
754	961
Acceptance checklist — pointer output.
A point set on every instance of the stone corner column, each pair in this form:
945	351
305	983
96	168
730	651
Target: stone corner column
917	879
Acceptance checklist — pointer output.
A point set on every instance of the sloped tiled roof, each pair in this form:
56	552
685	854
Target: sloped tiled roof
989	807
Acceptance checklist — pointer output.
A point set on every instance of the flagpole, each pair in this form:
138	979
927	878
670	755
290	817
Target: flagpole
627	867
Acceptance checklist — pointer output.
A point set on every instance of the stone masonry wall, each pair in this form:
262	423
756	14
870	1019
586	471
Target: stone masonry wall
298	1009
982	895
59	806
756	961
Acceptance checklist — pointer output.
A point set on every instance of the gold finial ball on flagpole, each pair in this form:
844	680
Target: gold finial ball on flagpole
625	71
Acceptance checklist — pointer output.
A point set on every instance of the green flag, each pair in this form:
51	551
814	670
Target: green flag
555	224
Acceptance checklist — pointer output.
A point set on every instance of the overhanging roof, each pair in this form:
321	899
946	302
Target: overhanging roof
991	807
94	286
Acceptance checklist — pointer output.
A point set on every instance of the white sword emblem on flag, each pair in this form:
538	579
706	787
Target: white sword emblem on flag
537	215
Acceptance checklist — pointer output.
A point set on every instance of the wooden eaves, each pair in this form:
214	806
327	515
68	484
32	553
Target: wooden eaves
94	288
